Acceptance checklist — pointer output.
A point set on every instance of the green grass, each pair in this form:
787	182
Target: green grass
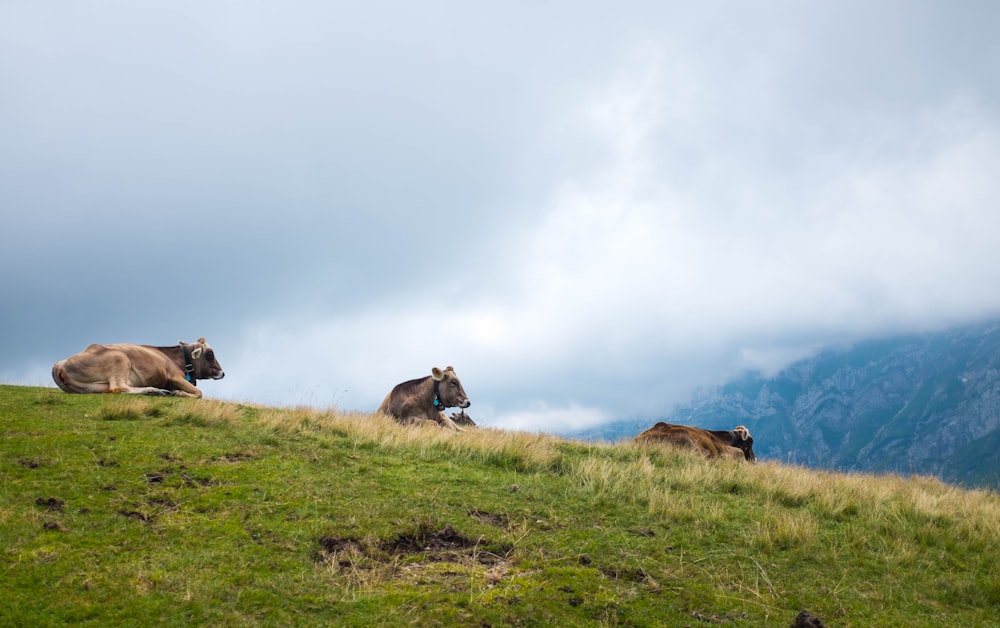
148	511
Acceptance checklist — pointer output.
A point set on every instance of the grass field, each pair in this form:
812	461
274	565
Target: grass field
146	511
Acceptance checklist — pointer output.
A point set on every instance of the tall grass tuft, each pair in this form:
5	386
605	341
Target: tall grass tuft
128	408
502	449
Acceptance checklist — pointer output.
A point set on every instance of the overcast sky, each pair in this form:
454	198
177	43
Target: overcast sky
589	209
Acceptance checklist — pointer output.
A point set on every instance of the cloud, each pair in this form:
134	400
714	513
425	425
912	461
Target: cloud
588	212
539	417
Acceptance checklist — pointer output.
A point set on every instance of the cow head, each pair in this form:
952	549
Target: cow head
203	360
743	440
449	389
461	418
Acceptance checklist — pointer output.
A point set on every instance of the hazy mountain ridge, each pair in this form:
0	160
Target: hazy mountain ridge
924	403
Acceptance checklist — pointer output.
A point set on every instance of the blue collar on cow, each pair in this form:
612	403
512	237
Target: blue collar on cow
188	365
437	396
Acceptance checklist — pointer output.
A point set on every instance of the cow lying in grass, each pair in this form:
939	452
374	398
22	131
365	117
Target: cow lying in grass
462	418
139	369
736	443
425	399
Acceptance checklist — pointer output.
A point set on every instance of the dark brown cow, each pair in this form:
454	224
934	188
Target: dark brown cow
736	443
139	369
738	437
425	399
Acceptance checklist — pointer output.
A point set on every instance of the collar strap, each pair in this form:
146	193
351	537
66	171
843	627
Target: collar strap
188	365
437	396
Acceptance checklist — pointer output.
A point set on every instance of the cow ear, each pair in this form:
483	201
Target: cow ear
450	368
437	374
196	353
201	340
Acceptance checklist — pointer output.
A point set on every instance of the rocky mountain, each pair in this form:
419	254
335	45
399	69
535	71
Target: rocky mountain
927	404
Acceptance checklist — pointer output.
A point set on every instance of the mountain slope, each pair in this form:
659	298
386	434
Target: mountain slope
927	404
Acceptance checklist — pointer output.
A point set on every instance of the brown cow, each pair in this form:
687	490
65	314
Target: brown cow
424	399
736	443
138	369
462	418
738	437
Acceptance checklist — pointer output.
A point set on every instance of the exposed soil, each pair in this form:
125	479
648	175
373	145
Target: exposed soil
135	514
425	540
159	477
632	574
500	520
50	503
805	619
718	619
436	545
329	545
240	457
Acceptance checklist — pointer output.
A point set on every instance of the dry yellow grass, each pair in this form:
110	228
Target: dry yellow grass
667	479
535	450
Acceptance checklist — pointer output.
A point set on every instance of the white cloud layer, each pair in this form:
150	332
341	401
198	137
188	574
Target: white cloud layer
588	212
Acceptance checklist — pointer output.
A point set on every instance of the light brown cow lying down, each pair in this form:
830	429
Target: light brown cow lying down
425	399
139	369
737	443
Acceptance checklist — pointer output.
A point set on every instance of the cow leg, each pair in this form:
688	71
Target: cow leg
183	388
83	387
733	453
116	386
417	421
109	387
447	423
144	390
123	385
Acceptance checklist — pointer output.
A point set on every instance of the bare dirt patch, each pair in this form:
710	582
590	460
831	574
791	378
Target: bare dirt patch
423	543
235	457
431	542
501	520
50	503
160	477
135	514
331	546
631	574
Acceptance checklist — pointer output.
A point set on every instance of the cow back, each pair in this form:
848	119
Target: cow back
689	437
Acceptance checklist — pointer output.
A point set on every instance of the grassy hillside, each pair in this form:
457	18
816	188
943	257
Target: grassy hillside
150	511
